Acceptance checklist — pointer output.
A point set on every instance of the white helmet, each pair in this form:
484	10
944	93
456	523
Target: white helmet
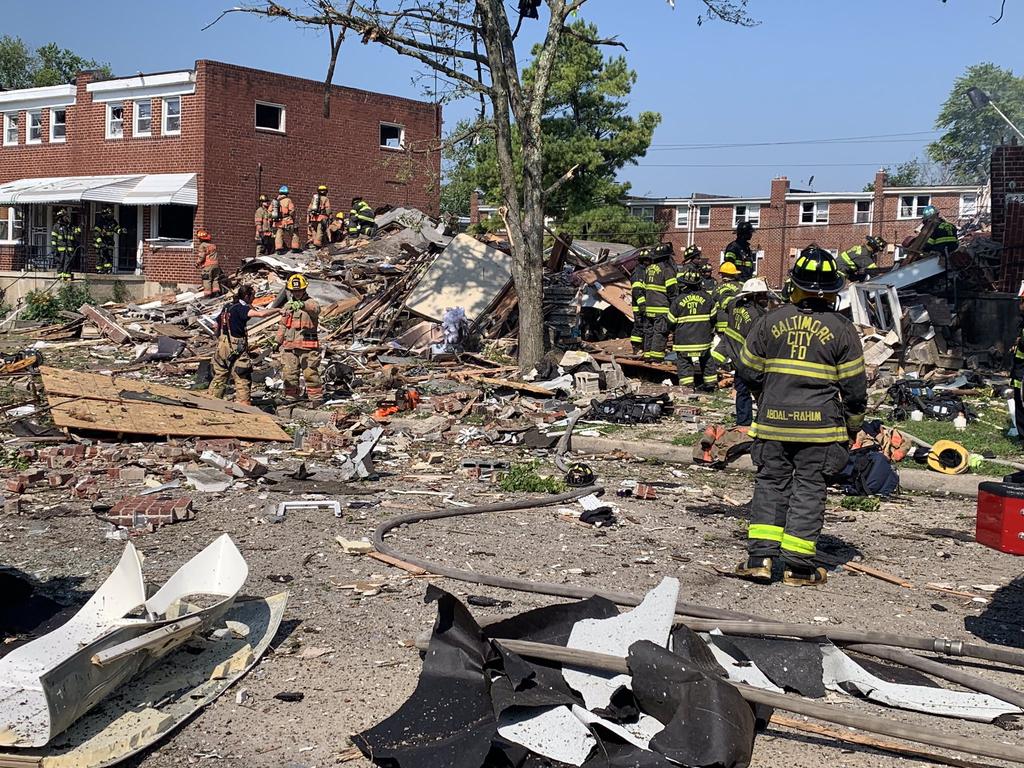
754	285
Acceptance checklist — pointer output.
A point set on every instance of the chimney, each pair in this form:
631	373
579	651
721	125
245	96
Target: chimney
772	238
474	207
878	206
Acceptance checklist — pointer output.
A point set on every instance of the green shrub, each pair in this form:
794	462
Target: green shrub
119	293
45	306
523	478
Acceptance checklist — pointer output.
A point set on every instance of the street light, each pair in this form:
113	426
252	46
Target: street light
980	99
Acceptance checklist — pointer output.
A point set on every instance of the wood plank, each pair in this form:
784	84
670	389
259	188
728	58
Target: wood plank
519	386
106	324
415	570
629	362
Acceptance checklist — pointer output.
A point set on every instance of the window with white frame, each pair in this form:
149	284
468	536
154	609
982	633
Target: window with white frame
814	212
269	117
862	212
115	120
392	136
682	217
174	222
751	213
171	116
642	212
759	263
10	225
10	129
143	119
34	134
703	216
58	125
911	205
968	205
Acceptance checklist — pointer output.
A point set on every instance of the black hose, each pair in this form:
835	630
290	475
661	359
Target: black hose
523	585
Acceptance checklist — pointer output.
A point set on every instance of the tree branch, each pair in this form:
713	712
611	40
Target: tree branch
564	178
1002	10
594	40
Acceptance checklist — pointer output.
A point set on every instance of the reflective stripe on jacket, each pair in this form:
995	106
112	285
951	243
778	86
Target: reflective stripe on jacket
739	253
297	328
943	239
693	313
637	289
807	365
659	288
724	295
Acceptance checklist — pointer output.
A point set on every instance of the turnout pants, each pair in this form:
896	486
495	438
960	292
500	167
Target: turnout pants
788	508
636	338
655	338
1018	412
265	245
213	281
283	235
318	233
691	369
744	404
232	359
304	363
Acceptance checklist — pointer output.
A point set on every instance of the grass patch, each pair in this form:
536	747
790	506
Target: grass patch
979	437
687	439
861	503
524	478
10	459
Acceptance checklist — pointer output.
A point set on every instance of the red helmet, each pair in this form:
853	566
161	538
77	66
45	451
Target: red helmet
203	234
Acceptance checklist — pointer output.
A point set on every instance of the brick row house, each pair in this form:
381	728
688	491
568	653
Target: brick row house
788	220
175	151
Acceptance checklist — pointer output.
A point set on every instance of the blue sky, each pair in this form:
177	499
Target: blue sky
813	69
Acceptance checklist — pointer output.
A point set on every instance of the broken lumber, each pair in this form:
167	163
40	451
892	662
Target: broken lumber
105	322
519	386
415	570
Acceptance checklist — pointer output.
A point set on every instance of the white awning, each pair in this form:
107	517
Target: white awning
135	189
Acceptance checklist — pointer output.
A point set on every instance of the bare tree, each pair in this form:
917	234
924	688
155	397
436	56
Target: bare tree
471	46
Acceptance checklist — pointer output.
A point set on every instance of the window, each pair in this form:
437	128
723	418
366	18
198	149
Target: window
392	136
58	125
10	225
759	263
814	212
115	120
10	129
171	125
269	117
35	128
174	222
703	216
751	213
682	217
642	212
862	212
968	204
143	119
911	205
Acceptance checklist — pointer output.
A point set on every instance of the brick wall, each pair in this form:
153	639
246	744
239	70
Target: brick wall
1007	173
342	151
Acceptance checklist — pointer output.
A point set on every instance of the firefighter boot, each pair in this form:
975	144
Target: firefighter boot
804	577
755	569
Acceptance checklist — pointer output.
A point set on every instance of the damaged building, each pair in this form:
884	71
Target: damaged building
174	151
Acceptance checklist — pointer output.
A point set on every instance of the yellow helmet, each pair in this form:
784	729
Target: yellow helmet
297	283
949	458
729	269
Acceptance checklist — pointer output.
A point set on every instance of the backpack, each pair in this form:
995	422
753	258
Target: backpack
869	473
631	409
720	445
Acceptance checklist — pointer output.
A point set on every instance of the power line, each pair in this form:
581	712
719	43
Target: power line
761	165
881	138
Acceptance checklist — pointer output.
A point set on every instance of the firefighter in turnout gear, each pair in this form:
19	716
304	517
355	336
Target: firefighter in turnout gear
659	292
1017	375
64	241
231	358
693	318
337	229
738	252
747	306
282	216
856	262
943	240
724	293
104	232
637	291
208	262
805	365
360	219
264	237
299	341
318	216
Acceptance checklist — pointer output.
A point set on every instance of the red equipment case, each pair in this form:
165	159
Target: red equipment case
1000	521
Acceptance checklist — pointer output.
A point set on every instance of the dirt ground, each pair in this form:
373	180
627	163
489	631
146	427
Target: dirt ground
688	532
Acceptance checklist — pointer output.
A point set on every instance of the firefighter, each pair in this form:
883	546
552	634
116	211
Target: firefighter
659	291
693	318
360	219
104	231
264	236
738	252
282	216
338	228
318	216
232	356
943	240
64	242
643	260
724	293
805	365
298	339
1017	375
208	262
856	262
751	303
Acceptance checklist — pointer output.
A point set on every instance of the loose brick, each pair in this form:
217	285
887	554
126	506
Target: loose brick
15	484
59	479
